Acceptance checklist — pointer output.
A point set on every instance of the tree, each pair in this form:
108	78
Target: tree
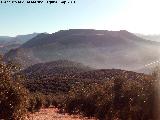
13	96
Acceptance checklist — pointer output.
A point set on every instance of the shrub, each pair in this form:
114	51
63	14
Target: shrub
38	104
85	99
13	96
39	101
118	98
31	107
47	102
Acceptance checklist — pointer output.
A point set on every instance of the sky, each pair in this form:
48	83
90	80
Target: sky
136	16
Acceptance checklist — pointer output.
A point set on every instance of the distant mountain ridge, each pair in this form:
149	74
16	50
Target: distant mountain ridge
76	34
150	37
94	48
7	43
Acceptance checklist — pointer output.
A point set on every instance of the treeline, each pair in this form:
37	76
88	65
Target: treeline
15	100
118	99
103	94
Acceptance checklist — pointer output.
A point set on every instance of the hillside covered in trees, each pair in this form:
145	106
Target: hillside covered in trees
95	48
78	72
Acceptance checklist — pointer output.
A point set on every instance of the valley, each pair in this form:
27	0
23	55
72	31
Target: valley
80	74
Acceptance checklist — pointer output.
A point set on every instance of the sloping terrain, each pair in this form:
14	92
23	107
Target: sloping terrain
60	76
55	68
8	43
101	93
94	48
51	77
150	37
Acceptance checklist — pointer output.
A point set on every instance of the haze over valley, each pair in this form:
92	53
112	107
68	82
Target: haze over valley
99	49
80	60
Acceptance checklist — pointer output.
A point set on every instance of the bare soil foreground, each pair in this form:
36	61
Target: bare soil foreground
52	114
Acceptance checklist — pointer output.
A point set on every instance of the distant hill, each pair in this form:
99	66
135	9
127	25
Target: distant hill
7	43
94	48
55	76
55	68
150	37
61	80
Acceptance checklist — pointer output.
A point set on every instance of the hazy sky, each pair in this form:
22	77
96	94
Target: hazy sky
138	16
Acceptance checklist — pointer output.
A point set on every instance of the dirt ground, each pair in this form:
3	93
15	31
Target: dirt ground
52	114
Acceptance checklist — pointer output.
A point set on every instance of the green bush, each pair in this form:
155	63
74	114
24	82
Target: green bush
32	102
47	103
36	102
13	96
118	98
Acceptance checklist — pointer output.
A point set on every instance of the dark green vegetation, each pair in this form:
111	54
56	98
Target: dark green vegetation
15	100
60	76
106	94
76	89
53	77
13	96
117	98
